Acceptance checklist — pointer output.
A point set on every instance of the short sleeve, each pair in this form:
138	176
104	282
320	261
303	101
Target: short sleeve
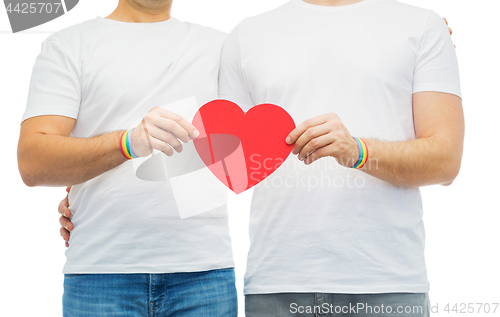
232	84
55	87
437	66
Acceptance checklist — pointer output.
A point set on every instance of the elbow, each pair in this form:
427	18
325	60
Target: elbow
27	168
27	179
28	182
27	174
451	174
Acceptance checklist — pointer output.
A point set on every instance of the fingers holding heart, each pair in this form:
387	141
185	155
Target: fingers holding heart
162	146
311	139
302	128
317	154
159	135
315	133
162	130
322	136
174	127
315	144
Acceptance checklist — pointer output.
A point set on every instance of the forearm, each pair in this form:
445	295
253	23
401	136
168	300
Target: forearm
54	160
434	157
420	162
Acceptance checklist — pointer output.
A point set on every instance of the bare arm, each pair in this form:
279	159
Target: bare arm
47	155
434	157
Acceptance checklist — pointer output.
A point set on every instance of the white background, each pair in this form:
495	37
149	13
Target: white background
462	221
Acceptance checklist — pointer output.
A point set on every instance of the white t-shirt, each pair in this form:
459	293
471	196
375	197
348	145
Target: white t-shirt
323	227
107	74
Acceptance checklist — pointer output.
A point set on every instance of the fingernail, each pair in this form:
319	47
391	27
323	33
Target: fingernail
196	133
288	140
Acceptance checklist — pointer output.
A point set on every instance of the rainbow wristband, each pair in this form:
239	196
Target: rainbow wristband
363	153
126	144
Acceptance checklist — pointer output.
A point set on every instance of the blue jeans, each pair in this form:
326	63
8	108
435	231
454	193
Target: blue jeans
207	294
337	305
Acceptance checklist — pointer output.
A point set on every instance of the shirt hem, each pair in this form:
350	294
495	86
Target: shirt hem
49	111
438	88
153	269
397	288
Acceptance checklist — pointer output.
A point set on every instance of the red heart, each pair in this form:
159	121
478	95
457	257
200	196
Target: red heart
242	149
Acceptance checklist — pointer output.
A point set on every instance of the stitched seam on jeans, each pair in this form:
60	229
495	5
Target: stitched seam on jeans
164	297
149	295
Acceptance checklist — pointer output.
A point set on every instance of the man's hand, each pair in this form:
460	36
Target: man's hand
161	130
449	29
66	224
322	136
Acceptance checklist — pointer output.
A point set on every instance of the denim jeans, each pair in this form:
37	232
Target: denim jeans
338	305
208	294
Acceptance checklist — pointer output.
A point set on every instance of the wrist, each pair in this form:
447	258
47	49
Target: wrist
363	154
126	144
